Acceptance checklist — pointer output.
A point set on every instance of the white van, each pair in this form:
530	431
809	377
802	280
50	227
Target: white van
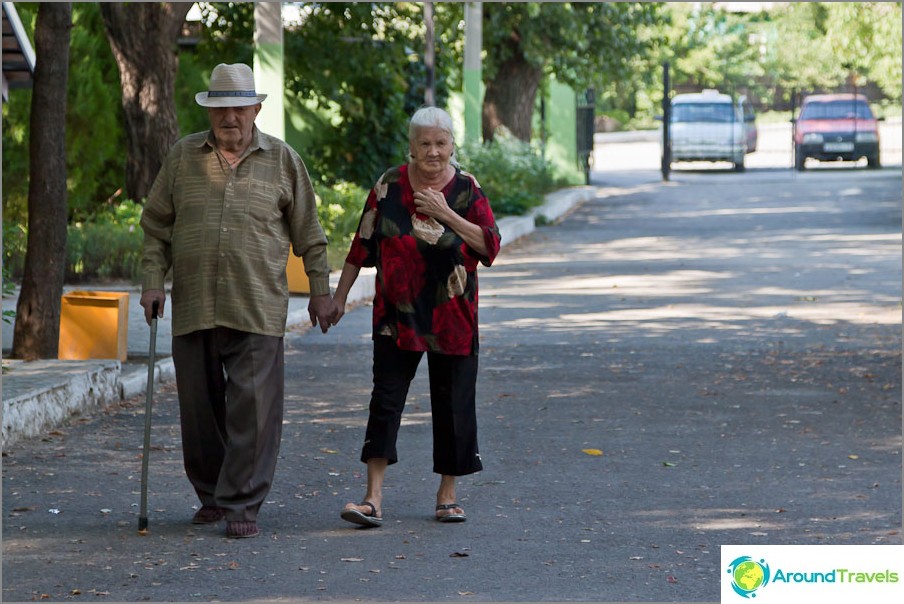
709	126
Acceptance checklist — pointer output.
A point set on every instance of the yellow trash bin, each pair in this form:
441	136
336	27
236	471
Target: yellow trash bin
298	279
94	325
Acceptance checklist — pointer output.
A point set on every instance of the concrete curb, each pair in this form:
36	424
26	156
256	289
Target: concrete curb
61	389
42	404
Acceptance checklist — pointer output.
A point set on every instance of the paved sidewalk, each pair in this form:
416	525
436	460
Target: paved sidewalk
40	395
672	367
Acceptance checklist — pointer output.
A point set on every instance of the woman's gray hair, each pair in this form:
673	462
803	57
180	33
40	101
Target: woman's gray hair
431	117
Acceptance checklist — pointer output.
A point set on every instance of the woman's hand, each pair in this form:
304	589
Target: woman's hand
432	203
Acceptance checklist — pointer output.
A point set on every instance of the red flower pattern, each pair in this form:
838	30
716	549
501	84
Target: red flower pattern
412	299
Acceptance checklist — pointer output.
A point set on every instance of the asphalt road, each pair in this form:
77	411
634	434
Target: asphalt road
675	366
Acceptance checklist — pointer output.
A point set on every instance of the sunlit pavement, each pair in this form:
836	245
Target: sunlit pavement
674	366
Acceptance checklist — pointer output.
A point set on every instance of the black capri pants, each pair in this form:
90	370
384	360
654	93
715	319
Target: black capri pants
453	405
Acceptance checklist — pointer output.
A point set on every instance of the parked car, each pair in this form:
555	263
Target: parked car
836	127
709	126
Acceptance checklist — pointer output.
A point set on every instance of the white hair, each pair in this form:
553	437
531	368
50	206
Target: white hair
430	117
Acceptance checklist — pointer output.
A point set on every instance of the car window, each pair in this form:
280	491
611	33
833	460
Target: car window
836	110
703	112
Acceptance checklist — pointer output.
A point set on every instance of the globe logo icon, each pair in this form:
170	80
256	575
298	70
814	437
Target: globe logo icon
748	575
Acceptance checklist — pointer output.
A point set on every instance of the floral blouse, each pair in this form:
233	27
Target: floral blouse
426	287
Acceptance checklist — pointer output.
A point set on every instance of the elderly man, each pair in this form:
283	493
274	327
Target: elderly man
221	215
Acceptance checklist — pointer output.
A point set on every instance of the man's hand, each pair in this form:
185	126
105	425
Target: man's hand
147	302
322	311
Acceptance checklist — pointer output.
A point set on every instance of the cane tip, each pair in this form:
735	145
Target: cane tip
143	532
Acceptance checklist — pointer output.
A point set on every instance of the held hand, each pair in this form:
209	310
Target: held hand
320	309
338	310
147	302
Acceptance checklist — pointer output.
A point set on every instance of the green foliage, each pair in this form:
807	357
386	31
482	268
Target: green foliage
95	138
339	210
353	113
585	44
108	246
9	287
513	175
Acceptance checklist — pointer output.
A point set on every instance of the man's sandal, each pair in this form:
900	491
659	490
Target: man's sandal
357	517
452	516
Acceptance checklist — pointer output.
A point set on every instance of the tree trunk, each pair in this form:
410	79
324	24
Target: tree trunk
143	37
510	97
37	330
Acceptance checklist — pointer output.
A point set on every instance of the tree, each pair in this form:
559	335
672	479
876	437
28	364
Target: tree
581	43
143	37
866	36
356	110
36	334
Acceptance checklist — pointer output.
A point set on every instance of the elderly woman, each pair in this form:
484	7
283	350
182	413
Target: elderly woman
425	227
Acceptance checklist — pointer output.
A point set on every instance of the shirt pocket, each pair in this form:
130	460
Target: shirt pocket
266	230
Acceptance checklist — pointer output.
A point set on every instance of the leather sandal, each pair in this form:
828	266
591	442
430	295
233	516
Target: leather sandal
452	516
358	517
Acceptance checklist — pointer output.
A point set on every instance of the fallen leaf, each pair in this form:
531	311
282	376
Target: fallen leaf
593	452
853	457
668	464
671	579
458	555
352	559
466	593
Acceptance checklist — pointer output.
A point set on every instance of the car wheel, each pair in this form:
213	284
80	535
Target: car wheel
799	159
873	162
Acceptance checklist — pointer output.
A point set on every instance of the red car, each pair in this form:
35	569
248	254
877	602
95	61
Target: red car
836	127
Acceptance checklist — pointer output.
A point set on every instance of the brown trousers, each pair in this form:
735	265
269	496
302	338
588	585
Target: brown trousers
230	386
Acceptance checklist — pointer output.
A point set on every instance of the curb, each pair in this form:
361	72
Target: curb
82	386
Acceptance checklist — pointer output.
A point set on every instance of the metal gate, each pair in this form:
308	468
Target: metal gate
585	113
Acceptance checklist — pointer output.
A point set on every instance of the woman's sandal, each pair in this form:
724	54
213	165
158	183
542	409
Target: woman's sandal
452	516
357	517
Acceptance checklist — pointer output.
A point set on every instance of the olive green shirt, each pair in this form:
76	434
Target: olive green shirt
225	232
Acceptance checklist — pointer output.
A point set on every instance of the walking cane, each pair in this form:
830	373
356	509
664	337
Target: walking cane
143	514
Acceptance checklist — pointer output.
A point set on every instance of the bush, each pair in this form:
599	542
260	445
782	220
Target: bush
511	173
339	210
106	247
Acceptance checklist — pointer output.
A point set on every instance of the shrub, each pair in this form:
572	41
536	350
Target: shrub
511	173
339	210
106	247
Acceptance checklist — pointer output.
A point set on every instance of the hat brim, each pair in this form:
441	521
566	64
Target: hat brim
228	101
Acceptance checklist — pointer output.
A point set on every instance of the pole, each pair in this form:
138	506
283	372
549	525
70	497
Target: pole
666	122
429	56
473	72
149	402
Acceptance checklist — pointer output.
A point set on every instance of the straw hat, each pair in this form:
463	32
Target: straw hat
230	86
